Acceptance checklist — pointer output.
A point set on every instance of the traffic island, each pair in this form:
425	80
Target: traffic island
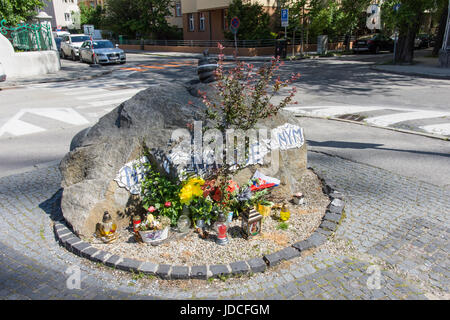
186	178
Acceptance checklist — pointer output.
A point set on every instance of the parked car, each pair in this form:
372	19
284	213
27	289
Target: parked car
422	40
58	41
373	43
105	52
2	73
71	44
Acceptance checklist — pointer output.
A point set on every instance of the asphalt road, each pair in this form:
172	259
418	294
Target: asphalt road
38	121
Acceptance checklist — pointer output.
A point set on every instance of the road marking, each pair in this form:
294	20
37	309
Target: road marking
67	115
129	93
442	129
103	103
73	92
17	127
400	117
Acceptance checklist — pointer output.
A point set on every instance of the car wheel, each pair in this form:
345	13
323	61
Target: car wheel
63	55
377	50
74	58
122	62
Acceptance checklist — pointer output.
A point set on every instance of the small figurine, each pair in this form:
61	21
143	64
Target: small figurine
299	198
106	230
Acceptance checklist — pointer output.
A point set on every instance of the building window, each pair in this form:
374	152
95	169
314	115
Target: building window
191	22
178	9
67	16
201	26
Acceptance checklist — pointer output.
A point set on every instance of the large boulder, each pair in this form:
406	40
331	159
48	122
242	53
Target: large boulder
151	116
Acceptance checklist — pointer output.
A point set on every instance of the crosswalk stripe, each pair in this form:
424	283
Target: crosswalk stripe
442	128
334	111
387	120
129	93
67	115
103	103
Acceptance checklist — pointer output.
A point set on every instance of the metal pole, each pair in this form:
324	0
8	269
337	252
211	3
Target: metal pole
395	45
235	45
293	43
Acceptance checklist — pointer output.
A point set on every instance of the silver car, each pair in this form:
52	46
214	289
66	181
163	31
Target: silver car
101	52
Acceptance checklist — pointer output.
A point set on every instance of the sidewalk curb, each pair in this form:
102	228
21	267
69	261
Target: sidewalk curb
335	213
100	74
415	74
428	135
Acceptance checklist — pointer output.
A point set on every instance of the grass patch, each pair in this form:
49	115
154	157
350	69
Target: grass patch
283	226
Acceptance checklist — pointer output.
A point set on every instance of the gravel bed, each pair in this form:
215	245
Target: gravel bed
192	250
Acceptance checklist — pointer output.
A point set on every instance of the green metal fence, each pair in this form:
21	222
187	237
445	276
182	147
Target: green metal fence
28	37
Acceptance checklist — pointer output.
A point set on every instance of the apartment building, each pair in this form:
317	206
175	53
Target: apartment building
206	19
63	13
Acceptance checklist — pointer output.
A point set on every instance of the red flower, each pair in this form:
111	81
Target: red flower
152	209
167	204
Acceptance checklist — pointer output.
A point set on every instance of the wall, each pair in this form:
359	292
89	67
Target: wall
247	52
25	64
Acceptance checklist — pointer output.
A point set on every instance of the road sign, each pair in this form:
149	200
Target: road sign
284	17
234	25
89	29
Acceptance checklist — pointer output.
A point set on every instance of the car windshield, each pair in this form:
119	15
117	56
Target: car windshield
103	44
79	38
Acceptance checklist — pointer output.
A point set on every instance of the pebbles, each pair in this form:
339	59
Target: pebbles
192	250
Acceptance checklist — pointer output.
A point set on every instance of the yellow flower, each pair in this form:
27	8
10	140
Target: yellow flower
191	189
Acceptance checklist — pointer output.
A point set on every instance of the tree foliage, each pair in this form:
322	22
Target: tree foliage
90	15
254	21
407	20
138	18
15	11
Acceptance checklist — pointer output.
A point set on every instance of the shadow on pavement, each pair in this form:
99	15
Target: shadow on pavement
361	146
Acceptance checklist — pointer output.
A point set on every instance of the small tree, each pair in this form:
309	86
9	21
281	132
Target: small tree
90	15
254	21
245	96
138	17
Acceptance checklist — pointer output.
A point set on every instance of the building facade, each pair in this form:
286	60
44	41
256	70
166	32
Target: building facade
64	13
206	19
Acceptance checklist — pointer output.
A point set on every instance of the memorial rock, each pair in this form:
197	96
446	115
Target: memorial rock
98	154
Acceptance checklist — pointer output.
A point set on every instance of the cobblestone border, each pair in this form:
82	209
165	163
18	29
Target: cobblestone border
330	222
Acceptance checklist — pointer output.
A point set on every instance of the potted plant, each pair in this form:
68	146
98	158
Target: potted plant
154	229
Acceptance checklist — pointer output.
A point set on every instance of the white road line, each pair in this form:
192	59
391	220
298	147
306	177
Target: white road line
129	93
442	129
67	115
103	103
18	127
80	91
399	117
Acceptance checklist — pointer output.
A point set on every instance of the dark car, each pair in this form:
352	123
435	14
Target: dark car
422	40
58	43
373	43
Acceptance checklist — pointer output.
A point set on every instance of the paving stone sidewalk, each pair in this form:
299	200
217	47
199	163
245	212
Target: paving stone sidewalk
392	244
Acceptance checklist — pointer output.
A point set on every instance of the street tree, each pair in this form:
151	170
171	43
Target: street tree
138	18
254	21
442	13
15	11
90	15
407	20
